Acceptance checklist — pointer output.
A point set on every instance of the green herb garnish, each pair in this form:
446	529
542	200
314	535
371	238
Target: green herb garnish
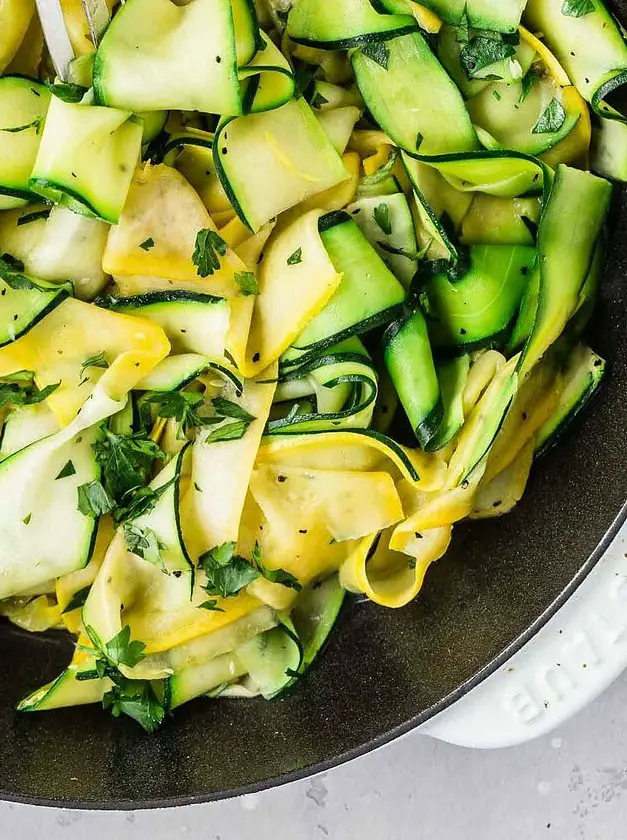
68	92
526	85
126	461
209	248
296	257
66	471
318	100
97	361
93	500
551	120
247	283
377	51
77	600
134	698
482	51
381	216
145	544
19	392
227	573
577	8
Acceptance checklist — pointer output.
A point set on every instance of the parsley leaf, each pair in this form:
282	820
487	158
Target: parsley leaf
119	650
318	100
247	283
381	216
15	394
482	51
274	575
77	600
93	499
147	244
137	700
145	544
68	92
210	605
181	406
228	431
296	257
398	252
134	698
126	461
97	361
577	8
551	120
377	51
228	408
209	245
526	84
227	573
142	502
68	470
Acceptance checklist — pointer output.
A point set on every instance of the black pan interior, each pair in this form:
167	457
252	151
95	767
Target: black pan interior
383	671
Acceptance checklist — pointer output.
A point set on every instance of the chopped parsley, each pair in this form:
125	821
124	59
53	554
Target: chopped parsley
577	8
296	257
147	244
209	248
137	700
526	85
381	214
68	470
119	650
77	600
482	51
318	100
552	119
247	283
68	92
126	461
141	502
97	361
228	410
228	573
274	575
145	544
93	500
18	390
211	604
181	406
134	698
377	51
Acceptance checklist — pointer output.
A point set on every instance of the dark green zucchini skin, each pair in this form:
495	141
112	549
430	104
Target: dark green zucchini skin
475	304
409	360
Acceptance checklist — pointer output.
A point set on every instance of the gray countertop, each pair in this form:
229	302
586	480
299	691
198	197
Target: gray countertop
570	785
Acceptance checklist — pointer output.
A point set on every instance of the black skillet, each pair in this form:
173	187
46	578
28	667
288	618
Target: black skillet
384	672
